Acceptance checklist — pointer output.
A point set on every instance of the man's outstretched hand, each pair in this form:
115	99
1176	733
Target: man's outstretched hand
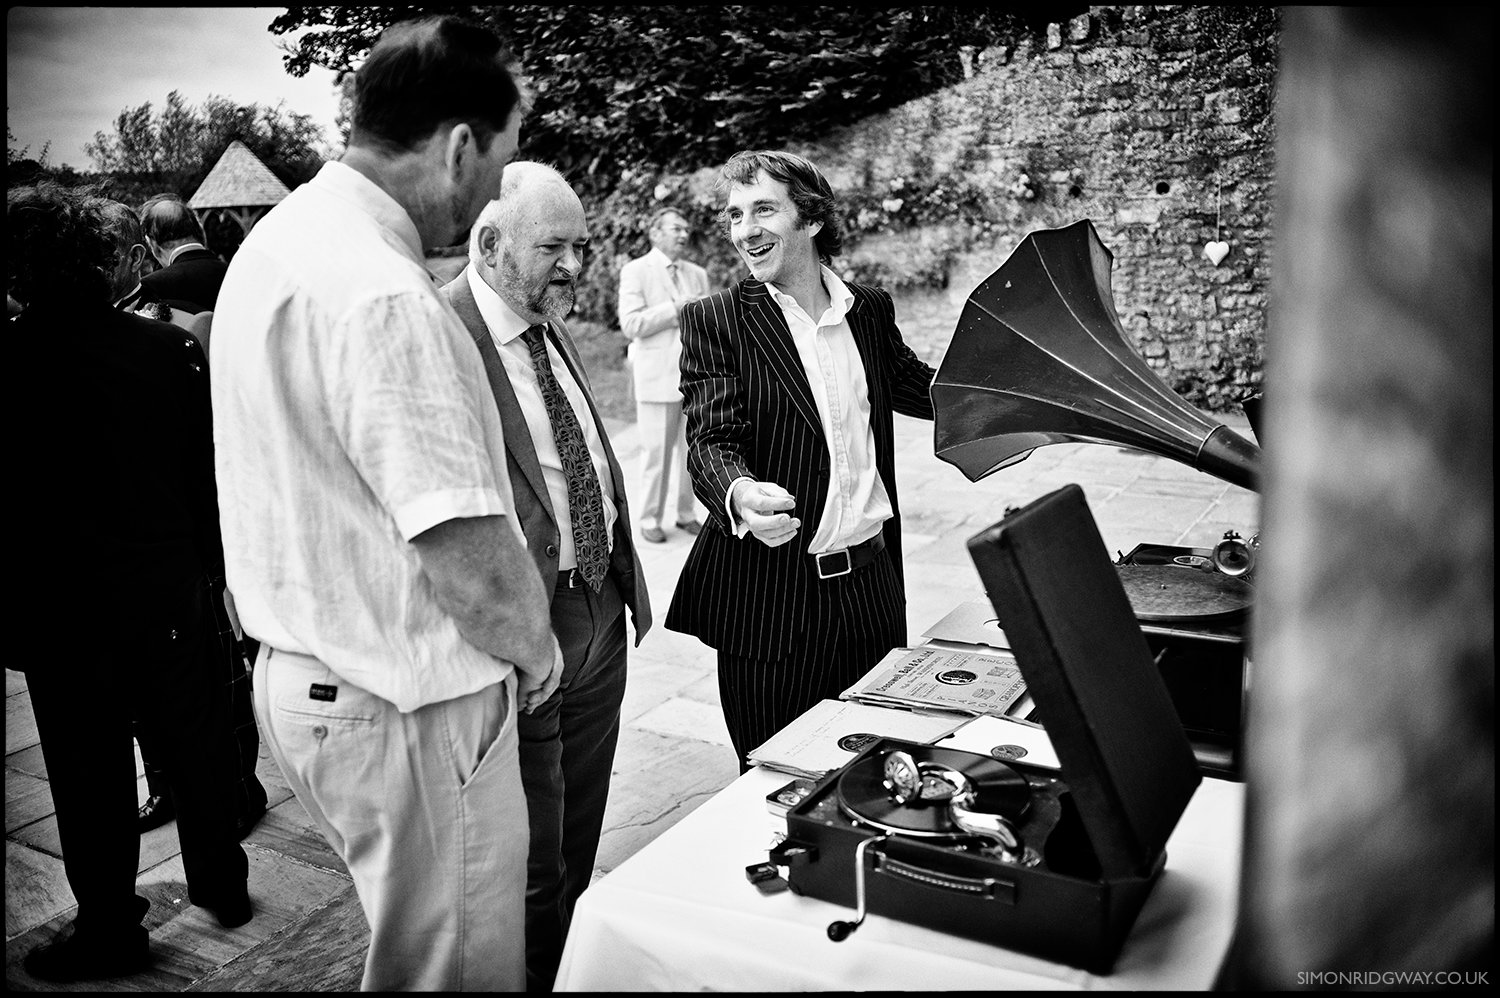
764	508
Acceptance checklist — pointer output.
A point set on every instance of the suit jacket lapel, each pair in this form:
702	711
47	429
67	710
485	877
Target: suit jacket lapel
517	435
766	328
861	321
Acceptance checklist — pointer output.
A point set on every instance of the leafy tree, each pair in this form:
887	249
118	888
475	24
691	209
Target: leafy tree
629	96
22	155
181	143
621	89
22	168
177	131
173	150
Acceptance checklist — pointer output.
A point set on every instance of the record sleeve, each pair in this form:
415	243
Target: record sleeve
972	623
975	681
833	732
1005	739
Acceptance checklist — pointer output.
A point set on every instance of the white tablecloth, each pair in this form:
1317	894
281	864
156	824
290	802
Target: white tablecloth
680	916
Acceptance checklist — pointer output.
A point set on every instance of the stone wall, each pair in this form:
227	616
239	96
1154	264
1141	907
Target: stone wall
1153	122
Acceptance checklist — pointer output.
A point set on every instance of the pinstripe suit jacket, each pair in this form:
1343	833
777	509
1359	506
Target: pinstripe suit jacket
533	505
750	412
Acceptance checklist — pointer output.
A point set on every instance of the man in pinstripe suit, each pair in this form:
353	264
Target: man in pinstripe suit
789	381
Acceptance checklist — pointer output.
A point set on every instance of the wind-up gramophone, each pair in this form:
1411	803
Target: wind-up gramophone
1040	357
1053	863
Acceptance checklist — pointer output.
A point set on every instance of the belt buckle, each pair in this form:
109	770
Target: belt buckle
575	578
833	556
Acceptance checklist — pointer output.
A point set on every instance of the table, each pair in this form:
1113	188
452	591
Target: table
680	916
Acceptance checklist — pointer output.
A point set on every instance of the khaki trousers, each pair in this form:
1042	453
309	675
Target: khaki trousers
427	811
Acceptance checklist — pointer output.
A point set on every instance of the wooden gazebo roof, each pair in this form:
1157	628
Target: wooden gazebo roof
239	185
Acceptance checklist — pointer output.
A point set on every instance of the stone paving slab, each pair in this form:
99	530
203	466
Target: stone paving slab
20	723
36	888
27	799
323	951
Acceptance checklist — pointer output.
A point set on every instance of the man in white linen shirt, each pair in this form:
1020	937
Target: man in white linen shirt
367	519
653	289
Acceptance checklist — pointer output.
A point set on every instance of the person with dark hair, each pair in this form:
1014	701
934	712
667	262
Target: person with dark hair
789	383
250	797
189	277
653	290
136	260
149	561
525	256
371	535
431	74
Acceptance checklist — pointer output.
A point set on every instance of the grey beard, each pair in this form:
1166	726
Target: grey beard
555	304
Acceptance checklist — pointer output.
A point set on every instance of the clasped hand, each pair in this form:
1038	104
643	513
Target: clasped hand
763	507
533	689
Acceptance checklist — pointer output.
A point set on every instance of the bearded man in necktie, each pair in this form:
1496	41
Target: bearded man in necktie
525	254
653	290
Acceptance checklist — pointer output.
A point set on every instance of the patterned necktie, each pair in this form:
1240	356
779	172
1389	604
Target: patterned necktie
585	502
672	275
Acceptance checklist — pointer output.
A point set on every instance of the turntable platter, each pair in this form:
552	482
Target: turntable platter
1176	593
863	795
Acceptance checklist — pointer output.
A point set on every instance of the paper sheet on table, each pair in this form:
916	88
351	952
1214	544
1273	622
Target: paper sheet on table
1005	739
972	623
833	732
934	678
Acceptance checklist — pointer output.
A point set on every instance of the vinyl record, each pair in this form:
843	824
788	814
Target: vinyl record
1177	593
863	795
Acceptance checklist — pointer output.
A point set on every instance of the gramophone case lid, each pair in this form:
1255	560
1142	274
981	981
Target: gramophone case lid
1098	693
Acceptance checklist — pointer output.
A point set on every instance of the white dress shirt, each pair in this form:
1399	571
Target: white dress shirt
352	412
506	328
857	504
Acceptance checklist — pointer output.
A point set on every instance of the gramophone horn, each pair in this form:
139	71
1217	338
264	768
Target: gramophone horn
1039	357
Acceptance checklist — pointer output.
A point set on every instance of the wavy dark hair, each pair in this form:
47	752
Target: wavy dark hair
809	190
59	245
434	73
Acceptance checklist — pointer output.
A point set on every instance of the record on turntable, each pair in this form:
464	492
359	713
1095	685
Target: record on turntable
1175	592
912	792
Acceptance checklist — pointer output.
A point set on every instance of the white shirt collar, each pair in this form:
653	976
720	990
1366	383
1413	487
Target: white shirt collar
839	298
348	184
505	325
660	257
173	254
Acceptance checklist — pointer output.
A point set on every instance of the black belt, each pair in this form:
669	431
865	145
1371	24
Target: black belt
832	564
572	578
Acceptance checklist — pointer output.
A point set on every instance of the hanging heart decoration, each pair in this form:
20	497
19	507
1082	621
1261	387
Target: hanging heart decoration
1216	251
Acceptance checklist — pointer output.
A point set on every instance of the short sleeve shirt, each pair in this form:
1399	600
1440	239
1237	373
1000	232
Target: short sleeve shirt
351	413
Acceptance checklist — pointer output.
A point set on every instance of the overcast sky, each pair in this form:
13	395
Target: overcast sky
70	70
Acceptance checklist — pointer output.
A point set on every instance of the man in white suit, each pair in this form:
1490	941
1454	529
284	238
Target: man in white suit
653	289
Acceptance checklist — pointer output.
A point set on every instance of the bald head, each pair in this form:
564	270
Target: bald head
524	181
529	243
